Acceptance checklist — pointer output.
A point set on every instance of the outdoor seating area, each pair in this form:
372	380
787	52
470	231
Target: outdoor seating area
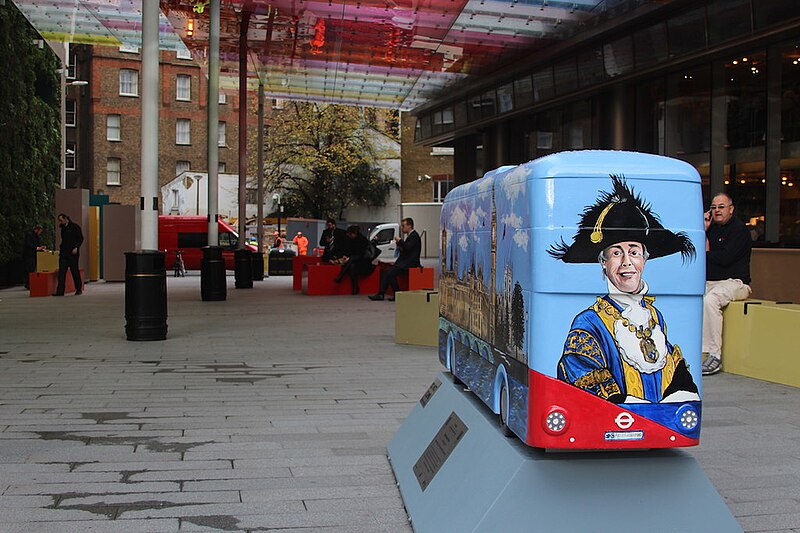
318	279
760	339
45	283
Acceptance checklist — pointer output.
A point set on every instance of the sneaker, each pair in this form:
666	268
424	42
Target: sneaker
375	297
390	298
712	364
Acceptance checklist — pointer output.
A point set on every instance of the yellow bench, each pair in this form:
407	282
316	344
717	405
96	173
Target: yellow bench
417	318
761	339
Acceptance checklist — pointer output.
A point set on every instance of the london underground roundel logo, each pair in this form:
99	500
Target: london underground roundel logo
624	420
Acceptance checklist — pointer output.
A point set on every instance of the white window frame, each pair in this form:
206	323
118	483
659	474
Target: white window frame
113	132
183	88
113	175
223	98
221	129
439	187
183	131
71	156
221	167
128	86
182	166
70	108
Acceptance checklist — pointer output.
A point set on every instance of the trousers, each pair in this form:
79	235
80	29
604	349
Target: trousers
717	296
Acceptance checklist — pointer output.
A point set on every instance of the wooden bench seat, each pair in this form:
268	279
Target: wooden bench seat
413	279
46	283
318	280
761	339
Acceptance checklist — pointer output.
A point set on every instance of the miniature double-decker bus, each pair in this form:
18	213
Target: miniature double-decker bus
571	298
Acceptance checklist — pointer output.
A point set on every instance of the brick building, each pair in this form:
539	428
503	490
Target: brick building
426	173
103	121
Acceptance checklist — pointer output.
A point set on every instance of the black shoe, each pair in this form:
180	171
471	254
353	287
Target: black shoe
390	298
58	294
376	297
78	293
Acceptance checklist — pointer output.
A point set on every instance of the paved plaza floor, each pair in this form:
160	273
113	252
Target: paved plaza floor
271	411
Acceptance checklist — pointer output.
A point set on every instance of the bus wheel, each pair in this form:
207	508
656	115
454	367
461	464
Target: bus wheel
452	362
504	412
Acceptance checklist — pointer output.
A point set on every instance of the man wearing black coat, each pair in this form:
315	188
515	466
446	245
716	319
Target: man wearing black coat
68	254
30	246
329	239
410	249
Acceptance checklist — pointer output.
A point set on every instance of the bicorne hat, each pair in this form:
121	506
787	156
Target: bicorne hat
620	216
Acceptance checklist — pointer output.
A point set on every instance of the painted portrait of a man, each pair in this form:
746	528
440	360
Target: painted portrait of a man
618	348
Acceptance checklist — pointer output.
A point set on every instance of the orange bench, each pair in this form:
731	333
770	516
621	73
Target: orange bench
413	279
318	279
297	268
46	283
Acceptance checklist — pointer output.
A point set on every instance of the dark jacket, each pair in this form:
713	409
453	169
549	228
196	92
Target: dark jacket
729	251
71	237
338	248
410	249
29	246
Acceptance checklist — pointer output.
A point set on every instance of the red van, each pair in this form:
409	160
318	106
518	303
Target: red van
189	234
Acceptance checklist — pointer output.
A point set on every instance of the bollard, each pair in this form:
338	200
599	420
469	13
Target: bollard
243	269
258	266
213	286
145	295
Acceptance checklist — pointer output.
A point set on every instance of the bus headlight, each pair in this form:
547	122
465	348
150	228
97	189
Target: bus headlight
555	421
688	417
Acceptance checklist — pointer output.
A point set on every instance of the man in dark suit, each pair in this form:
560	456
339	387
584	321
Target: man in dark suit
410	249
30	246
334	241
68	254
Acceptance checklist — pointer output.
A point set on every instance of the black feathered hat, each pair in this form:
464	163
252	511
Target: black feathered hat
620	216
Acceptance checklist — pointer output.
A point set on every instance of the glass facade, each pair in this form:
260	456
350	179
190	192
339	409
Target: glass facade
689	88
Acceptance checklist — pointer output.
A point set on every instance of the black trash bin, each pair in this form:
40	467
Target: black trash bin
145	295
258	266
213	285
243	268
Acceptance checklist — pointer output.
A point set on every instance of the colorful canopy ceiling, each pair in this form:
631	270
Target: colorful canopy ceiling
389	53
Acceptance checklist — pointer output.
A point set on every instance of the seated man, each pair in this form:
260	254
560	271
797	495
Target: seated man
357	262
728	245
330	236
410	249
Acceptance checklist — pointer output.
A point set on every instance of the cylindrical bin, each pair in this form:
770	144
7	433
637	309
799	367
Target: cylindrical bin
258	266
213	286
243	268
145	295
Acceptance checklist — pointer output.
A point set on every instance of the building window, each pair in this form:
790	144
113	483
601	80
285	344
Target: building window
183	53
441	187
70	117
183	128
251	196
70	156
221	167
184	88
71	66
113	165
278	103
113	128
221	134
223	98
181	166
128	82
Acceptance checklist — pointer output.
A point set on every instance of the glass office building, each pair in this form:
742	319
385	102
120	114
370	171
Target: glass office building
715	83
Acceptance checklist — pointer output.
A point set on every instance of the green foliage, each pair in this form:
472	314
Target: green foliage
320	160
30	132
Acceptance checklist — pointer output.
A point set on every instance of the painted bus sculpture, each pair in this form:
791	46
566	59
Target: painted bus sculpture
571	298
